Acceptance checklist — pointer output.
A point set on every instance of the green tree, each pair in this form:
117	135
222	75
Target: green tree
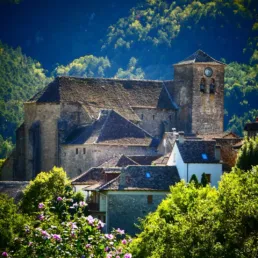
85	66
194	179
204	180
132	72
45	187
11	222
248	155
204	222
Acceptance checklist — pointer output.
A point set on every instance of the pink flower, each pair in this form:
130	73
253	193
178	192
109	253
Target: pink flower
88	246
59	199
82	204
30	243
41	217
109	236
41	205
109	256
90	219
117	256
124	242
4	254
101	224
127	255
45	234
120	231
57	237
106	249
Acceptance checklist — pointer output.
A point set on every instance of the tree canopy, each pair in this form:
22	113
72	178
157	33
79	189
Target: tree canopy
204	221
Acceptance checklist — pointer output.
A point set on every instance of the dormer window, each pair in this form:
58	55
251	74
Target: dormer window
212	86
202	85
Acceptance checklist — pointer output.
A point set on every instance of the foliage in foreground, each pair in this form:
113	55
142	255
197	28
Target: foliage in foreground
54	223
204	221
45	187
248	155
72	235
11	222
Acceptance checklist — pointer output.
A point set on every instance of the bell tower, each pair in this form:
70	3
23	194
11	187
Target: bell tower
199	80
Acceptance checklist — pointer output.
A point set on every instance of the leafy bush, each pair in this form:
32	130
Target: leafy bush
11	222
73	235
205	221
45	187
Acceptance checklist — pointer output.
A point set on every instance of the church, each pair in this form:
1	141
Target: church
80	123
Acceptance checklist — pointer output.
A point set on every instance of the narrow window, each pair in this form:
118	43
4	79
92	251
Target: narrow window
150	199
153	117
202	85
170	117
208	176
84	151
174	157
77	151
141	116
212	86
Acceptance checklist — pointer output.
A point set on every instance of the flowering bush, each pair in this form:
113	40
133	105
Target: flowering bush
70	235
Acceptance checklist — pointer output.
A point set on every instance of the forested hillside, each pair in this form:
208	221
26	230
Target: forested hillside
145	44
20	78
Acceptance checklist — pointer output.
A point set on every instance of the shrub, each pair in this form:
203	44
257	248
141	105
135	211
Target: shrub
45	187
11	222
74	235
194	179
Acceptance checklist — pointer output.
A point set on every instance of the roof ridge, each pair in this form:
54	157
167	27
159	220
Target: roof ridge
108	183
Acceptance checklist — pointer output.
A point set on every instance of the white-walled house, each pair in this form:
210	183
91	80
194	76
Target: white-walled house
196	157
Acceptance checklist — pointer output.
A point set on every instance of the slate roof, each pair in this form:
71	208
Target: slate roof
95	94
95	176
133	178
192	151
199	57
162	161
119	161
13	188
224	135
144	160
112	129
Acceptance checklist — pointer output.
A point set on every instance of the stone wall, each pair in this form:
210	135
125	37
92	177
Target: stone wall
182	95
94	155
47	116
228	154
124	208
208	109
156	121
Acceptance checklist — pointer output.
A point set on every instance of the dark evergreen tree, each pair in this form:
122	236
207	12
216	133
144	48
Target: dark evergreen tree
204	180
194	179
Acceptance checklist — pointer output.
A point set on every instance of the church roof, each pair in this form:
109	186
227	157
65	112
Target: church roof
119	161
144	178
113	129
199	57
95	94
197	151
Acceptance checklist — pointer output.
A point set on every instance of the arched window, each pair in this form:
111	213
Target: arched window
202	85
212	86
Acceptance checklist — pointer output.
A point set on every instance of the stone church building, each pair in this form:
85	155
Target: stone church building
79	123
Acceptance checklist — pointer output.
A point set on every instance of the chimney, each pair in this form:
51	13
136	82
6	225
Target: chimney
181	137
217	152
